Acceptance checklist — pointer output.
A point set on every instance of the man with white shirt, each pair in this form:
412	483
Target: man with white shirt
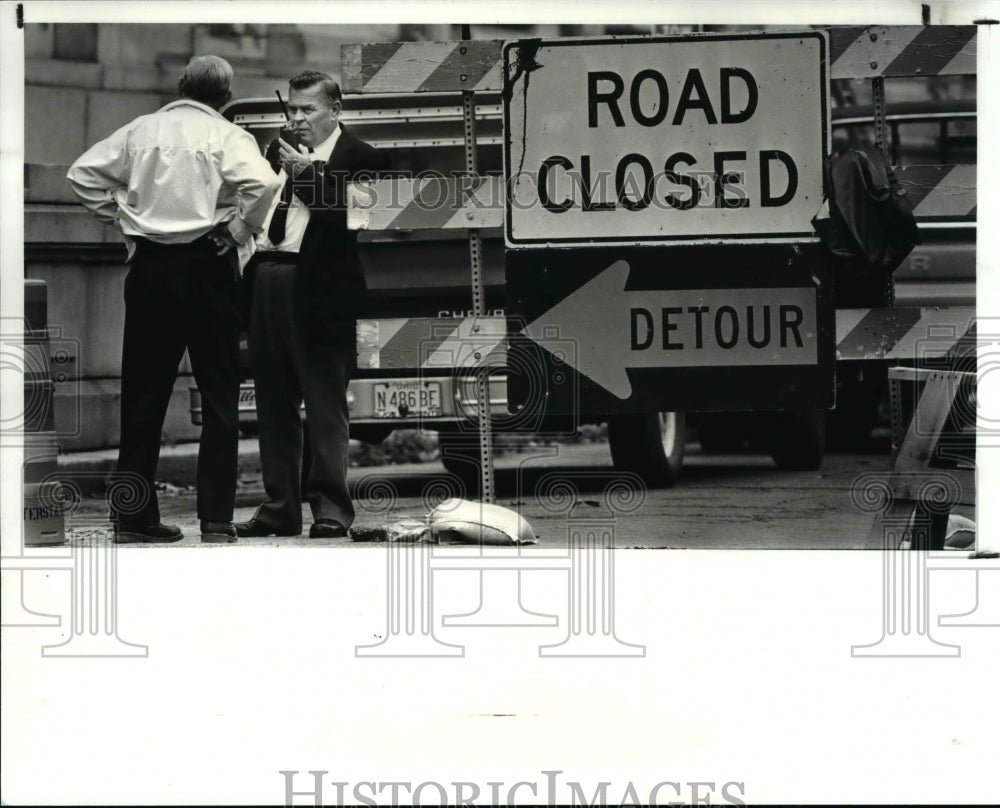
186	187
307	288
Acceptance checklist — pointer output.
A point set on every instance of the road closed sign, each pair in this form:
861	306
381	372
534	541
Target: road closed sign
664	140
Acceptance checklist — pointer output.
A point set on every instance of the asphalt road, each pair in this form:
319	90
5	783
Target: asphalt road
721	501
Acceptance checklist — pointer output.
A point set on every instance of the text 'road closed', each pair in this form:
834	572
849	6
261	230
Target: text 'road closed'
665	139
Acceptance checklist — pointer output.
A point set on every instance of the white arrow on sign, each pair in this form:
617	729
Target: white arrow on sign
614	330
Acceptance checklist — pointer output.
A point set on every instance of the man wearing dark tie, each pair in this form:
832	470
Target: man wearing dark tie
307	288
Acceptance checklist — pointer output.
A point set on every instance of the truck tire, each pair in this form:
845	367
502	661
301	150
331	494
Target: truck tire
798	440
649	444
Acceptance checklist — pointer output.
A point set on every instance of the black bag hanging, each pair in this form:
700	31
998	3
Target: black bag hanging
870	227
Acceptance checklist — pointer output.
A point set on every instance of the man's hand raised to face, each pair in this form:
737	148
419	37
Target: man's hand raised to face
291	159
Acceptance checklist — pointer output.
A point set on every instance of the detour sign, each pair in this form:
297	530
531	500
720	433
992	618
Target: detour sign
664	140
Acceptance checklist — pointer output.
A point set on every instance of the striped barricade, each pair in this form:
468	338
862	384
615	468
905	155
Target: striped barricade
855	52
940	193
426	203
898	335
903	334
431	343
902	50
421	67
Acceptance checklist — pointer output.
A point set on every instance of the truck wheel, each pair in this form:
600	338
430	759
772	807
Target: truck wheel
650	445
798	440
460	456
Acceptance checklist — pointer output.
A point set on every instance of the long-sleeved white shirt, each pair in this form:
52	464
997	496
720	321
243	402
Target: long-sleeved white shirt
173	175
298	213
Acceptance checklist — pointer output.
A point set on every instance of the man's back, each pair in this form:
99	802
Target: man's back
185	186
172	175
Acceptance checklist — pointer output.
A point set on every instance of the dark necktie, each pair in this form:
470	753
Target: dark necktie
276	230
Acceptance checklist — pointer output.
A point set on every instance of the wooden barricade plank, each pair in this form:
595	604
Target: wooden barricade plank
904	50
855	52
428	343
426	203
900	334
940	192
421	67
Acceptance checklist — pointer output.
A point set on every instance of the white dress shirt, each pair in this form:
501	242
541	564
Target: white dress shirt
298	213
173	175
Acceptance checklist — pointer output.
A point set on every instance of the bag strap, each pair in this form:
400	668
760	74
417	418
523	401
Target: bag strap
874	176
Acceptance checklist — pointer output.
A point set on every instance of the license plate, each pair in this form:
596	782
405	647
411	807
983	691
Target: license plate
404	399
248	398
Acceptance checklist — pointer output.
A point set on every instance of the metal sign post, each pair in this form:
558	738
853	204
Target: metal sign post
428	67
485	420
478	310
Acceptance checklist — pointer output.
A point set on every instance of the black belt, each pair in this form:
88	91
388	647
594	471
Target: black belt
275	257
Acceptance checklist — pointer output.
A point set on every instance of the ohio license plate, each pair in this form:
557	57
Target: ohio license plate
404	399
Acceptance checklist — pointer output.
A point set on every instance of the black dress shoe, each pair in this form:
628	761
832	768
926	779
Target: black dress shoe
217	532
327	529
147	534
257	529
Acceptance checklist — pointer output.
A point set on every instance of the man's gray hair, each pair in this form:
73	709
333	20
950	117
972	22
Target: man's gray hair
207	79
312	78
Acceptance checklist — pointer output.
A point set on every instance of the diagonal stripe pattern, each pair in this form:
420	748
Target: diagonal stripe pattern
447	342
906	50
953	196
426	203
940	192
841	39
472	63
858	57
421	334
897	334
877	332
420	67
474	335
933	49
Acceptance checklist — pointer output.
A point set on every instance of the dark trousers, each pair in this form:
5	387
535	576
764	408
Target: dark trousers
290	368
177	297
